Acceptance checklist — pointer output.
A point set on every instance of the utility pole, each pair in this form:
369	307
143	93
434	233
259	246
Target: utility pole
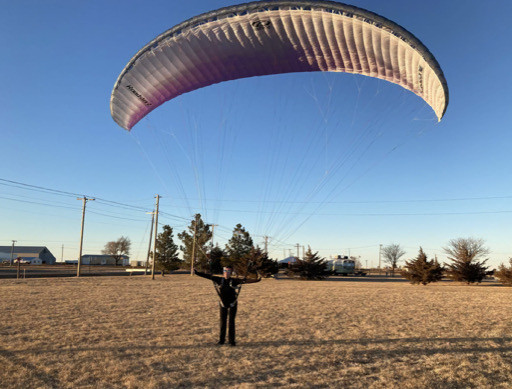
84	199
213	229
154	245
303	252
266	244
150	238
192	260
380	251
12	251
298	249
284	253
62	254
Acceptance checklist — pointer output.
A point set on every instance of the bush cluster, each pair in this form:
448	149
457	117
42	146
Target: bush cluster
504	274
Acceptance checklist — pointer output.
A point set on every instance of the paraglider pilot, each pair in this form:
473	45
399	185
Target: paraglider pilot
228	290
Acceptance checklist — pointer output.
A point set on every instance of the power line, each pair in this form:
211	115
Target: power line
56	191
118	204
39	203
117	217
103	201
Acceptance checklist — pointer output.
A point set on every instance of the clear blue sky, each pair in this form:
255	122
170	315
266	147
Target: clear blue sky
231	151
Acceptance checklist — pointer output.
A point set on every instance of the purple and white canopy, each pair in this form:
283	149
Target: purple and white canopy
273	37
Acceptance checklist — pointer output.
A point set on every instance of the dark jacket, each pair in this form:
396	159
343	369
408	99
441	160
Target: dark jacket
227	288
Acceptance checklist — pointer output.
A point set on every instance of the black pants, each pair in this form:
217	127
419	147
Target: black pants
224	312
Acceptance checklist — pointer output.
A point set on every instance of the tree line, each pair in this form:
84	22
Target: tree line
196	245
467	257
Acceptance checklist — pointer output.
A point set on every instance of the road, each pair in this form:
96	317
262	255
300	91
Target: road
44	271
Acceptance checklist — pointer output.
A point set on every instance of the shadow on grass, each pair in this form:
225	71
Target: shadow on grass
47	380
384	279
417	346
503	345
370	351
375	278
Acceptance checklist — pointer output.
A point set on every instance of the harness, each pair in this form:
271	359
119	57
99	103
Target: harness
237	289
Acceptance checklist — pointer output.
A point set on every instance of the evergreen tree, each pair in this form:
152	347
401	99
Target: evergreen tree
256	263
203	235
466	256
216	256
265	266
504	274
311	267
167	251
238	247
422	271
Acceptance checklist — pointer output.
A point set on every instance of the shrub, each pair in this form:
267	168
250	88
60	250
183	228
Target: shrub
422	271
265	266
311	267
465	254
504	274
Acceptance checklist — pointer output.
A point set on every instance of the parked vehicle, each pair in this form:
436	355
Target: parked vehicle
344	266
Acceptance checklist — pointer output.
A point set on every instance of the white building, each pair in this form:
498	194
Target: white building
100	259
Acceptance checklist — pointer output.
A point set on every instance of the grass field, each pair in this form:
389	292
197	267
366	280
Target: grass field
131	332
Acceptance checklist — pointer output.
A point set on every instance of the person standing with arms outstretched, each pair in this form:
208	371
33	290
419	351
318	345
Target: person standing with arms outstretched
228	289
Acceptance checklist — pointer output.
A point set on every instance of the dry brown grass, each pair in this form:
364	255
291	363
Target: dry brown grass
136	333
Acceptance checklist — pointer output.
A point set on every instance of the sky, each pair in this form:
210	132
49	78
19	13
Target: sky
337	162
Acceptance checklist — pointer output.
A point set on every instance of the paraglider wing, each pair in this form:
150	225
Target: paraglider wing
262	38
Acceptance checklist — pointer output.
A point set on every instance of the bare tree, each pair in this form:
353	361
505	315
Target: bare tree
116	249
467	259
392	254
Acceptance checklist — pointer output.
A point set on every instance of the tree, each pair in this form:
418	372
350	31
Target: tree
392	254
311	267
422	271
504	274
116	249
256	263
167	251
265	266
216	256
202	236
238	247
467	264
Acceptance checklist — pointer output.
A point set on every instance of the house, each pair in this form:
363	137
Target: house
100	259
37	255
